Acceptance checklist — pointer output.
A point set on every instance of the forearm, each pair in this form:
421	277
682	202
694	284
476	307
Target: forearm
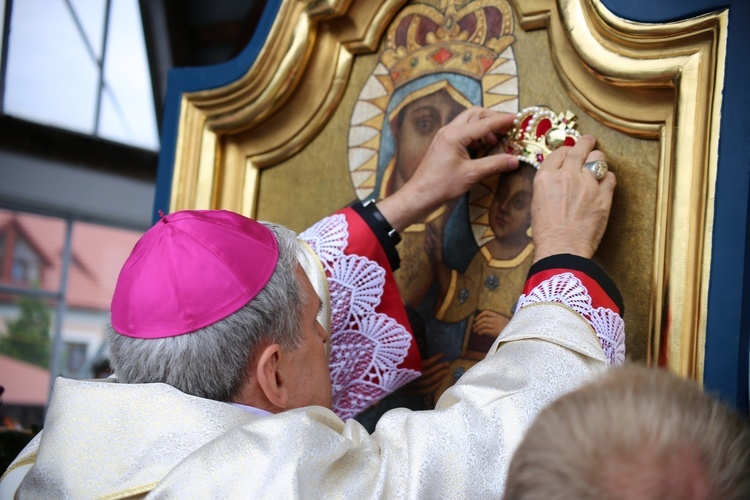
406	207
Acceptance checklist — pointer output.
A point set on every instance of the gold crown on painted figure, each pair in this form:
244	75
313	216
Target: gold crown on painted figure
423	40
537	131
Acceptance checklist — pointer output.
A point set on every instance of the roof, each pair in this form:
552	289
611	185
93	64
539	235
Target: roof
24	383
98	253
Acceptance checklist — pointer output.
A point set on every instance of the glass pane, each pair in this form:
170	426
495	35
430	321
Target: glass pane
27	322
98	255
30	260
25	349
91	15
127	113
51	78
2	20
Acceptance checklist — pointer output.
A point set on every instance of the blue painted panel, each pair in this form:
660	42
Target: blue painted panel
726	368
182	80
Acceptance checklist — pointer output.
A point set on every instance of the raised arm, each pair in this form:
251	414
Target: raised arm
570	210
357	251
463	448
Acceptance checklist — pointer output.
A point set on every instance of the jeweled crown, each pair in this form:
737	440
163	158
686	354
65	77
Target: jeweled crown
537	131
467	40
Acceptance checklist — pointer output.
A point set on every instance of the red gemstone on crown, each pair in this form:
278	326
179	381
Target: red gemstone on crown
442	55
486	63
543	127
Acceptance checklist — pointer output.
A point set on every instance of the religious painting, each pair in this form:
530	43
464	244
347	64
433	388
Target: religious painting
343	98
459	289
463	266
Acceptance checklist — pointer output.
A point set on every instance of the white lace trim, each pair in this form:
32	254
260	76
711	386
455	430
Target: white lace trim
568	290
328	238
366	346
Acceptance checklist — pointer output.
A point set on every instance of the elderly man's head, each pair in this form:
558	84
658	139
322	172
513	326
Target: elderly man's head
218	306
634	433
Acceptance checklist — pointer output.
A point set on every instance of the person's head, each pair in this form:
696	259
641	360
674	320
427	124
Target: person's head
415	126
217	306
634	433
510	210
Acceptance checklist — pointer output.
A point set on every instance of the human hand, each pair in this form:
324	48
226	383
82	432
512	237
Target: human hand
570	208
447	171
489	323
433	372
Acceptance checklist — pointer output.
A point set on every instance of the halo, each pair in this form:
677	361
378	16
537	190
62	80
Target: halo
499	86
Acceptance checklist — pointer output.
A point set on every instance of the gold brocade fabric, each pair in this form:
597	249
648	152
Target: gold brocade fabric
102	439
107	439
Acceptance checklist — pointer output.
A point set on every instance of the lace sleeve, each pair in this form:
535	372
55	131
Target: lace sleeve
368	346
567	288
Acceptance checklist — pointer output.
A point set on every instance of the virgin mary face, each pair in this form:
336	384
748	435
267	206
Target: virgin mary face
415	127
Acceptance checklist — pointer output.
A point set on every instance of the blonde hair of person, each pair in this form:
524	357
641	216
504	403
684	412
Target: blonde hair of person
634	433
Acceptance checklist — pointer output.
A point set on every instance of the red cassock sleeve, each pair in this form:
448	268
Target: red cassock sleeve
373	351
363	242
583	286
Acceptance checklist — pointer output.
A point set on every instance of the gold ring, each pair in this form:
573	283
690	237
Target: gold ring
598	168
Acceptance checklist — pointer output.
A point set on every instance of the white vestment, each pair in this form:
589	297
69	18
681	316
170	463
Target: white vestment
111	440
103	439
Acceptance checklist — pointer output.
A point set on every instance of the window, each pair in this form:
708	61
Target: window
39	250
26	264
81	65
76	356
21	262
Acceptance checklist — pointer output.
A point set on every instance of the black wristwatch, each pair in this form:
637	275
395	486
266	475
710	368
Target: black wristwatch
378	215
385	233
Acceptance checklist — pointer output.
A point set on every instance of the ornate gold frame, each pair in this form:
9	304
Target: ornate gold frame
658	81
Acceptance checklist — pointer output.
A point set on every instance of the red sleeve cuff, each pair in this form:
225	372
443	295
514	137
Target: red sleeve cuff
601	288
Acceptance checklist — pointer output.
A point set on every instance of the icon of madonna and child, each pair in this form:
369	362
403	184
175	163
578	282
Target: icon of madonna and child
463	267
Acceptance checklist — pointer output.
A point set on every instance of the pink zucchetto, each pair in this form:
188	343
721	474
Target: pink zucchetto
190	270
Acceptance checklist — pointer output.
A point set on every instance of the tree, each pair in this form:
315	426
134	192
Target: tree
28	336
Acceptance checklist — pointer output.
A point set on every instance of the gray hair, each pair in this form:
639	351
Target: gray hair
634	433
214	362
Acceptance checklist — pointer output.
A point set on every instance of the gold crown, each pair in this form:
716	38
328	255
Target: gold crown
467	40
537	131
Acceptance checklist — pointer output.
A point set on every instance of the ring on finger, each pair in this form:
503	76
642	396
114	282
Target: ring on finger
598	168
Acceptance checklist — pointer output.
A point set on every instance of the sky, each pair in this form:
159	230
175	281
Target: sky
52	78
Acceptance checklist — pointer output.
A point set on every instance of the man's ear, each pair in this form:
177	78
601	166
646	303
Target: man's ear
270	380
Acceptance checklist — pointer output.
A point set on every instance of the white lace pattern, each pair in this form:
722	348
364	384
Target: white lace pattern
366	346
568	290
